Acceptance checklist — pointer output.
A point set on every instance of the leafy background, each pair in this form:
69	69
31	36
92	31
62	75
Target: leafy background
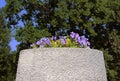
99	20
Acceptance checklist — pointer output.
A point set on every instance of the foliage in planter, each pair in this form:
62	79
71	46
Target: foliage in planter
74	40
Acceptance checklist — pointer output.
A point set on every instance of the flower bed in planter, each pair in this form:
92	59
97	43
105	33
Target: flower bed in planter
61	64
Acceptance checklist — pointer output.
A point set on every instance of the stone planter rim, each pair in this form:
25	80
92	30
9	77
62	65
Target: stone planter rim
65	48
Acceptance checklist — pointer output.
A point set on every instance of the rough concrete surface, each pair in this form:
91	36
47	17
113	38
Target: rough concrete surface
61	64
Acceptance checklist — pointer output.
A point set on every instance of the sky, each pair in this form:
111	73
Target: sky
2	3
13	43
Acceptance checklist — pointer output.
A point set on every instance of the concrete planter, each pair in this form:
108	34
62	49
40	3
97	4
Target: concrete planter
61	64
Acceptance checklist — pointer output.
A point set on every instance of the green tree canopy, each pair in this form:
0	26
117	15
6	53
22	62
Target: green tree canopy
4	47
99	20
8	59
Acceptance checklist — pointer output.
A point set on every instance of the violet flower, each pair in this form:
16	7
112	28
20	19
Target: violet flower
38	42
83	41
72	35
76	36
43	41
54	38
47	41
32	45
62	40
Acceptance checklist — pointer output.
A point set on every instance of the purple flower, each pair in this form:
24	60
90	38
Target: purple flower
83	38
43	41
83	41
88	43
79	40
38	42
47	41
62	39
54	38
72	35
76	36
32	45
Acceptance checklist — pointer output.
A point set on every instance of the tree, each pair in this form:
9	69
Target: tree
4	48
7	60
99	20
